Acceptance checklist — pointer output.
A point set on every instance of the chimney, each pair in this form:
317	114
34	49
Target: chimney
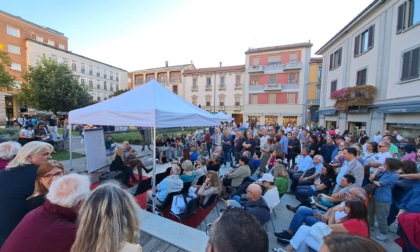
220	64
166	63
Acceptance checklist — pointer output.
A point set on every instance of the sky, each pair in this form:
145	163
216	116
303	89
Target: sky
140	34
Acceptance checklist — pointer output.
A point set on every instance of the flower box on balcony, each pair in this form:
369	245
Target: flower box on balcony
357	96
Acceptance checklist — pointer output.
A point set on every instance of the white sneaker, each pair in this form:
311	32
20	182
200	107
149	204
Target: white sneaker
382	237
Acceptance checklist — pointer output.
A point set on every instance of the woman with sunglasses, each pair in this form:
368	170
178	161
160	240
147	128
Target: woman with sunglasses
47	173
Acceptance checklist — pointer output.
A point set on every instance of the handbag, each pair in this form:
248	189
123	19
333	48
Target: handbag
179	203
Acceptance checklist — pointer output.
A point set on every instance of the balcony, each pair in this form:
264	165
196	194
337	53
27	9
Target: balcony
237	108
222	87
221	108
312	102
177	79
208	87
274	69
238	86
162	79
194	88
293	66
356	96
272	87
255	69
208	108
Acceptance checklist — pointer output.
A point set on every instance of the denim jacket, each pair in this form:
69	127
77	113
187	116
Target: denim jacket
387	179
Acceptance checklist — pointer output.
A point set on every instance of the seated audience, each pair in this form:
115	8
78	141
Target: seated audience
8	151
209	187
281	178
118	164
199	169
109	144
26	134
250	162
52	227
345	242
193	153
213	163
255	205
41	133
227	233
17	182
410	152
350	166
130	158
305	163
347	182
235	177
108	221
355	222
311	216
47	173
171	183
309	176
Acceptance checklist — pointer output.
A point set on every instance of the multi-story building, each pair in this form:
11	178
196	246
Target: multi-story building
275	84
169	76
371	71
14	31
102	79
216	89
314	88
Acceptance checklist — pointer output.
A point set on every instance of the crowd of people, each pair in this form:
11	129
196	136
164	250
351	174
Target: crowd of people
347	187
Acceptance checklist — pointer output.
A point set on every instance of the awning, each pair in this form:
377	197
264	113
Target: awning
328	112
415	108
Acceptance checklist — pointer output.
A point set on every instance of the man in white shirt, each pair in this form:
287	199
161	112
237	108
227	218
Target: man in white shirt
397	135
379	158
263	139
377	137
271	195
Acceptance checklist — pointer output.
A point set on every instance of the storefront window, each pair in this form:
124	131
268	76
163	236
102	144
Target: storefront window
354	127
289	119
270	120
408	131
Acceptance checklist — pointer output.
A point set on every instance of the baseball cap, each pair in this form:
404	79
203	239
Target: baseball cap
267	177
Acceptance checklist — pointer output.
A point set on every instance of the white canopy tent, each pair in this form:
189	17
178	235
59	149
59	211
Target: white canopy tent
223	117
150	105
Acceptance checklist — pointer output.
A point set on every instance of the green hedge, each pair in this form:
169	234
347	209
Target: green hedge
134	137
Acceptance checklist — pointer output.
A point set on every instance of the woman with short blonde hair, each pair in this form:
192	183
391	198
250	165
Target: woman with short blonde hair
108	221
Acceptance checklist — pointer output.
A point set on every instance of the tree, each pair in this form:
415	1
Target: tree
6	80
116	93
52	86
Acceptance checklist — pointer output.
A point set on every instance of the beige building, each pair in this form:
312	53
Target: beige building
102	79
169	76
275	87
216	89
380	48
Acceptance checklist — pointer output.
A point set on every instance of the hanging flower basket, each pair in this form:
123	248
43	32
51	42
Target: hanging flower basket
357	96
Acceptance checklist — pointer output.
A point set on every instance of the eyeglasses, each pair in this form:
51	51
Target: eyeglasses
251	191
208	228
50	176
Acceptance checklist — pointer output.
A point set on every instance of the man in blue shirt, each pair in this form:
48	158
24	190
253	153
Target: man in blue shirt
283	143
304	164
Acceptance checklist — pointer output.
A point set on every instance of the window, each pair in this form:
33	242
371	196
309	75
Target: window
98	72
90	83
61	46
105	75
194	100
90	70
222	80
256	61
361	77
208	81
238	79
13	49
273	79
99	96
255	80
54	58
274	60
13	31
271	98
82	81
117	87
293	58
64	61
117	77
105	86
51	42
364	41
291	98
335	59
82	68
292	78
410	64
16	67
254	99
175	89
39	39
208	103
408	15
98	84
333	86
195	82
73	65
111	87
111	75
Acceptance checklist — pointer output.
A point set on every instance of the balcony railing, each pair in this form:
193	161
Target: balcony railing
208	87
175	79
238	86
312	102
237	108
222	87
220	107
274	69
272	87
194	88
208	108
255	69
293	66
356	96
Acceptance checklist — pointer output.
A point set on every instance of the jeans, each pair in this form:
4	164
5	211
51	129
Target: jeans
380	210
304	215
228	155
304	192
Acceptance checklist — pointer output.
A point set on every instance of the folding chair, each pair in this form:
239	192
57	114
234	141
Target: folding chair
191	208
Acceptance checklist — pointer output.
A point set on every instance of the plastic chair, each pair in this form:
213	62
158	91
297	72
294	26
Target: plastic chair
191	208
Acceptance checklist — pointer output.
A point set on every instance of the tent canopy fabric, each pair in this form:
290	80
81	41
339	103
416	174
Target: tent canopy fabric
223	117
150	105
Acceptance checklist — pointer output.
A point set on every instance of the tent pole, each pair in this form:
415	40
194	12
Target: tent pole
70	146
154	170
